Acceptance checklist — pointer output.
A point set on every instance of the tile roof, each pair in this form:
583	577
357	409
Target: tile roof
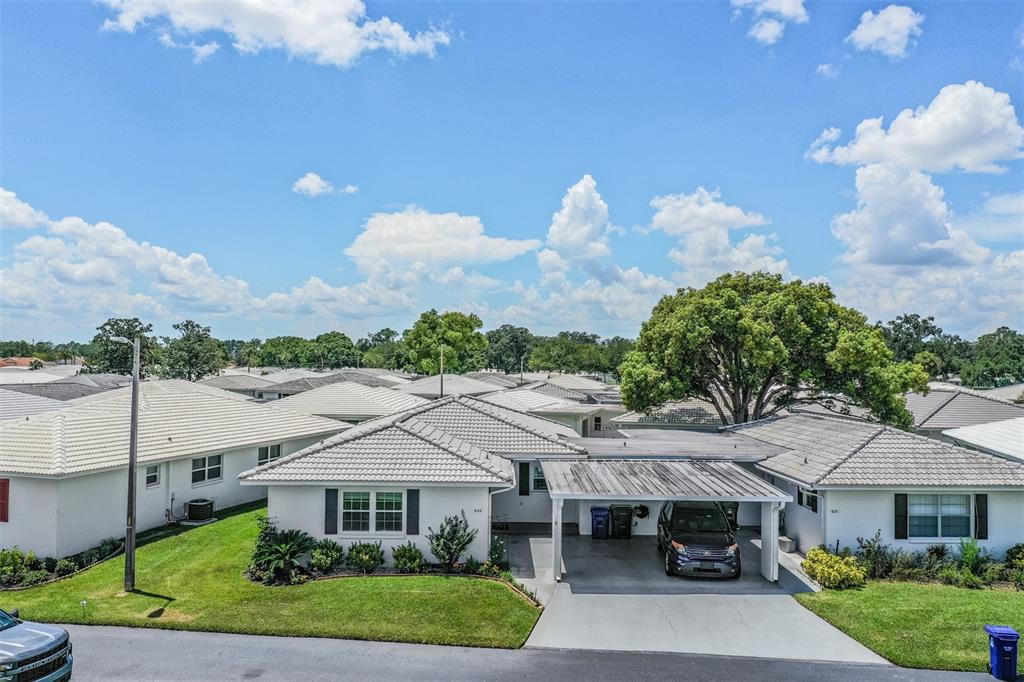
556	391
237	382
1014	392
15	405
577	383
348	400
351	375
104	380
835	452
1003	437
17	375
477	434
176	419
388	452
691	412
529	400
454	384
56	390
950	408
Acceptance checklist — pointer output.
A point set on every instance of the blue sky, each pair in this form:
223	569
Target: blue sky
555	165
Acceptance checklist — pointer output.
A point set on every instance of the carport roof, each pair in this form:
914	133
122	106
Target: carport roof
612	479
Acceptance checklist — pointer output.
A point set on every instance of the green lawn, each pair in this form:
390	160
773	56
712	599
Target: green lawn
194	580
919	625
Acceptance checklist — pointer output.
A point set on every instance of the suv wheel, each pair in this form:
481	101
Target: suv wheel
668	564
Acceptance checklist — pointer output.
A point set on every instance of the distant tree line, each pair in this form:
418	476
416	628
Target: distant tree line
192	352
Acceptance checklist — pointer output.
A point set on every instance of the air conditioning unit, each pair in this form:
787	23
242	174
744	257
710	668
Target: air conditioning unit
199	510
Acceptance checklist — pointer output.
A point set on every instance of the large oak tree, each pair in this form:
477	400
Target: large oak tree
751	344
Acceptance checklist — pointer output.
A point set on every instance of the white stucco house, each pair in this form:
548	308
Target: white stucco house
850	478
63	480
587	419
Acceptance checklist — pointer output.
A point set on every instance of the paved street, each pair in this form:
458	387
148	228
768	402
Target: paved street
107	653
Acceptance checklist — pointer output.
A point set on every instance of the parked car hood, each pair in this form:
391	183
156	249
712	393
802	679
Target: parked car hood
29	639
706	539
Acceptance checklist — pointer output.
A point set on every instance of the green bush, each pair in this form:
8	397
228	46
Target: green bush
49	564
993	572
13	565
832	571
450	540
108	547
365	557
971	557
282	556
960	577
497	553
326	556
1015	556
472	566
35	577
1017	578
938	553
490	569
64	567
875	556
408	558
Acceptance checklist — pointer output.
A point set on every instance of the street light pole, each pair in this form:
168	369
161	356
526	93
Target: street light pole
133	438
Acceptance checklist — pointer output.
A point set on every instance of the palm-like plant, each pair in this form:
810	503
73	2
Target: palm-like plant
282	555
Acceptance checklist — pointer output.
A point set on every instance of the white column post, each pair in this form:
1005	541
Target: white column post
556	538
770	540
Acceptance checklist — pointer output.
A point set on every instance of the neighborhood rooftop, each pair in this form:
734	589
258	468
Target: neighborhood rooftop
529	400
349	400
237	382
15	405
176	419
1003	437
950	408
454	384
836	452
691	412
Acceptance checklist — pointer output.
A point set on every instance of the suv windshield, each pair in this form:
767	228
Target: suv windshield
690	520
6	621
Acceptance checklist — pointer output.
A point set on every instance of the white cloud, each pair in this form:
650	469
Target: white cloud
902	219
349	189
702	224
312	185
770	17
579	230
827	71
15	213
200	51
889	32
395	240
333	33
970	127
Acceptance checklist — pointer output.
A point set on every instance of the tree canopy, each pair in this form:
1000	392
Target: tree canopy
116	358
509	347
195	354
750	344
910	336
998	357
464	346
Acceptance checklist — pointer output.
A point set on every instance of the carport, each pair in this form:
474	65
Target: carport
646	480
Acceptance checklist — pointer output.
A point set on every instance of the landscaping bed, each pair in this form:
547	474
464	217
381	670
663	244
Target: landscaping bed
196	580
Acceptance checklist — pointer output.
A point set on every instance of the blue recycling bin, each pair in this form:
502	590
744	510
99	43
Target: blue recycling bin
600	519
1002	651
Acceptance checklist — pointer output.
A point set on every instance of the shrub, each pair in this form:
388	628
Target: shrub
35	577
365	557
282	555
490	569
1017	578
832	571
875	555
1015	556
970	557
497	553
266	531
508	577
88	558
49	564
451	539
472	566
938	552
960	577
326	556
993	572
108	547
14	563
64	567
408	558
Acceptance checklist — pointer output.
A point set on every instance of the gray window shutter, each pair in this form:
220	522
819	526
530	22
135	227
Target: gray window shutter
981	516
412	512
902	520
331	511
524	478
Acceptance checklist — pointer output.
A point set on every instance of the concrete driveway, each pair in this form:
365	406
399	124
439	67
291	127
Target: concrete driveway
616	596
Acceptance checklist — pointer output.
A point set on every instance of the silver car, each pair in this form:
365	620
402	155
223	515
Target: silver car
33	652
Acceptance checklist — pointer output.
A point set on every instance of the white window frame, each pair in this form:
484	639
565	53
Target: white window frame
265	454
155	483
206	467
372	529
535	469
938	517
802	495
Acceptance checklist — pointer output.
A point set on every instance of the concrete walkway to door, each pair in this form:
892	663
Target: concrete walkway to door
616	596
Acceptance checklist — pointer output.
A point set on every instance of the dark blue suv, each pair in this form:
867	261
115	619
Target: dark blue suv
698	540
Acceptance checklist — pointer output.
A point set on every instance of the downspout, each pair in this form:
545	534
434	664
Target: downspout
490	509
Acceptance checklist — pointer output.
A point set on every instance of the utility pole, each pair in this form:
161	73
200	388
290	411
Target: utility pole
442	371
133	438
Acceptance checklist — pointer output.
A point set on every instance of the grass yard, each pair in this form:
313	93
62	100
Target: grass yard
919	625
193	580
